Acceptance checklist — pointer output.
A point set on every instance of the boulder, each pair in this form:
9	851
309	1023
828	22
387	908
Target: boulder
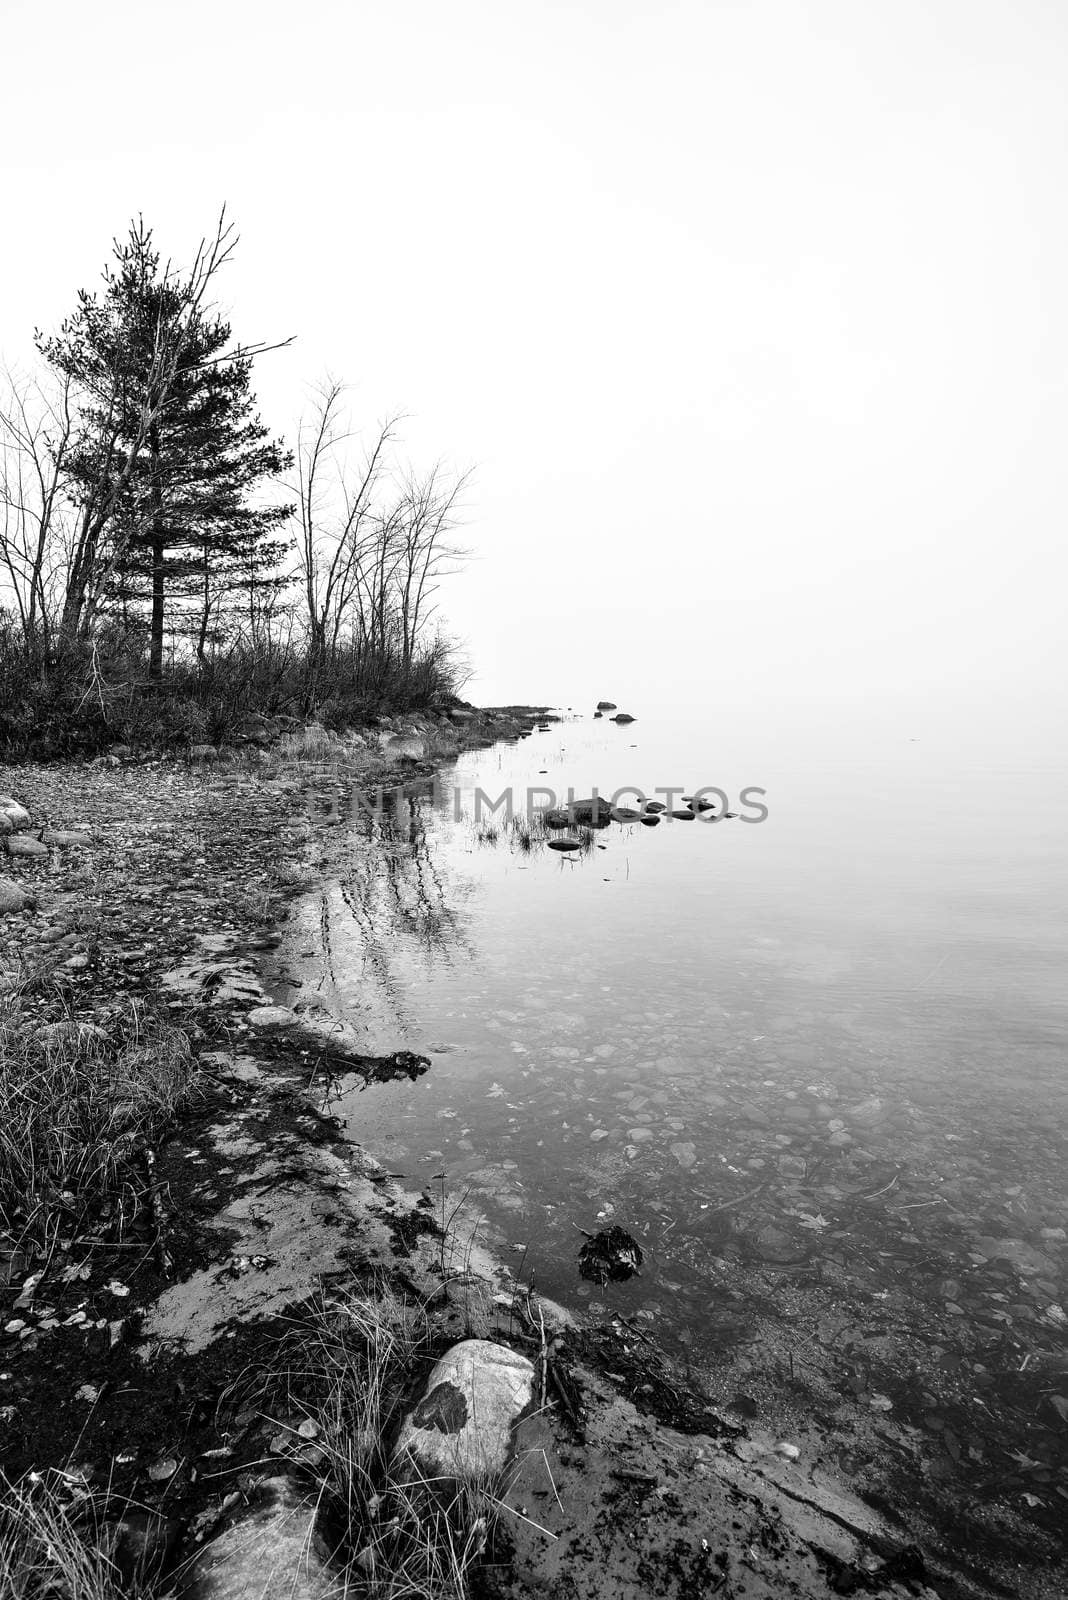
625	814
565	844
462	1427
276	1552
14	898
649	819
65	840
606	705
621	717
685	815
655	806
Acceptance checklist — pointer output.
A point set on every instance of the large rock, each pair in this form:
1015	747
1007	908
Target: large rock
65	839
462	1427
606	705
622	716
14	898
275	1553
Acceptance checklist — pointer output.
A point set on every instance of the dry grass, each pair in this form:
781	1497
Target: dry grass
75	1110
50	1547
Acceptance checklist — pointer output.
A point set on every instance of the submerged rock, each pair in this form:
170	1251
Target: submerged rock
462	1427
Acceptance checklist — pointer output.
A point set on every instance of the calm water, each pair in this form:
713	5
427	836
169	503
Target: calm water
816	1066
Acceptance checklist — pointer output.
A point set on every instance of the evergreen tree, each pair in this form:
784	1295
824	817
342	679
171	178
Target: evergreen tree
187	534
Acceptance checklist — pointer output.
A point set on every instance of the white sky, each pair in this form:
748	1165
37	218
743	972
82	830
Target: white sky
751	316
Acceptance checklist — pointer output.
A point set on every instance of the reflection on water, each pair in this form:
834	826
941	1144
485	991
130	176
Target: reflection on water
816	1067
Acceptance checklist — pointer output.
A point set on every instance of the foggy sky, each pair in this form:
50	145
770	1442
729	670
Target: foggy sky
751	317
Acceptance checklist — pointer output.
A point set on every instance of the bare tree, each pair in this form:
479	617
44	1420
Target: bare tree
422	525
343	568
36	430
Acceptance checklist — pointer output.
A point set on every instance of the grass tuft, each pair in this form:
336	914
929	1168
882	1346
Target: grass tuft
349	1370
76	1110
50	1547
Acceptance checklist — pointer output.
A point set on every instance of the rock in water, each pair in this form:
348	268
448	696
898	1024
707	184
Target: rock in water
275	1553
462	1427
606	705
649	819
565	844
682	816
622	716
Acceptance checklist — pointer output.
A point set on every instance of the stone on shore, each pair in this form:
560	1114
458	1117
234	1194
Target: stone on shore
273	1017
462	1427
275	1553
14	898
16	814
24	844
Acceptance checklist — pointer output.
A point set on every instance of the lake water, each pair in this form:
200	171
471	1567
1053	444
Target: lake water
814	1064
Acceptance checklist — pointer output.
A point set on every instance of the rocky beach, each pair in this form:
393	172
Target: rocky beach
154	1366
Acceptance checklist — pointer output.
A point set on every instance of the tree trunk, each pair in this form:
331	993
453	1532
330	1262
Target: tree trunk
158	541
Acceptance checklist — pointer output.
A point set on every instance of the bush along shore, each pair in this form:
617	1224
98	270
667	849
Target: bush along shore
236	1357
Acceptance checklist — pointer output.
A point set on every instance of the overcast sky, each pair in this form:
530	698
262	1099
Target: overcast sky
750	314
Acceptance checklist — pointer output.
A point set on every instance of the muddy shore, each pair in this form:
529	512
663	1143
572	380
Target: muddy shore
129	1367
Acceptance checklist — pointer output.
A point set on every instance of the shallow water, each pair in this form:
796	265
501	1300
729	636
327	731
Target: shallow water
815	1064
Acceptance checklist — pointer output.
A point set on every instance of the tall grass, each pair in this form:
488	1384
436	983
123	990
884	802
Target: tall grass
49	1548
75	1112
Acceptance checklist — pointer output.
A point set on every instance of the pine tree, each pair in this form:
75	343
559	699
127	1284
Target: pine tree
189	541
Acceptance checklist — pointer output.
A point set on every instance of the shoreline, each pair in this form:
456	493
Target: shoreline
263	1198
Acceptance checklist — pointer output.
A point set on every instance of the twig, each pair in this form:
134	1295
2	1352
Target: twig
159	1216
885	1190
